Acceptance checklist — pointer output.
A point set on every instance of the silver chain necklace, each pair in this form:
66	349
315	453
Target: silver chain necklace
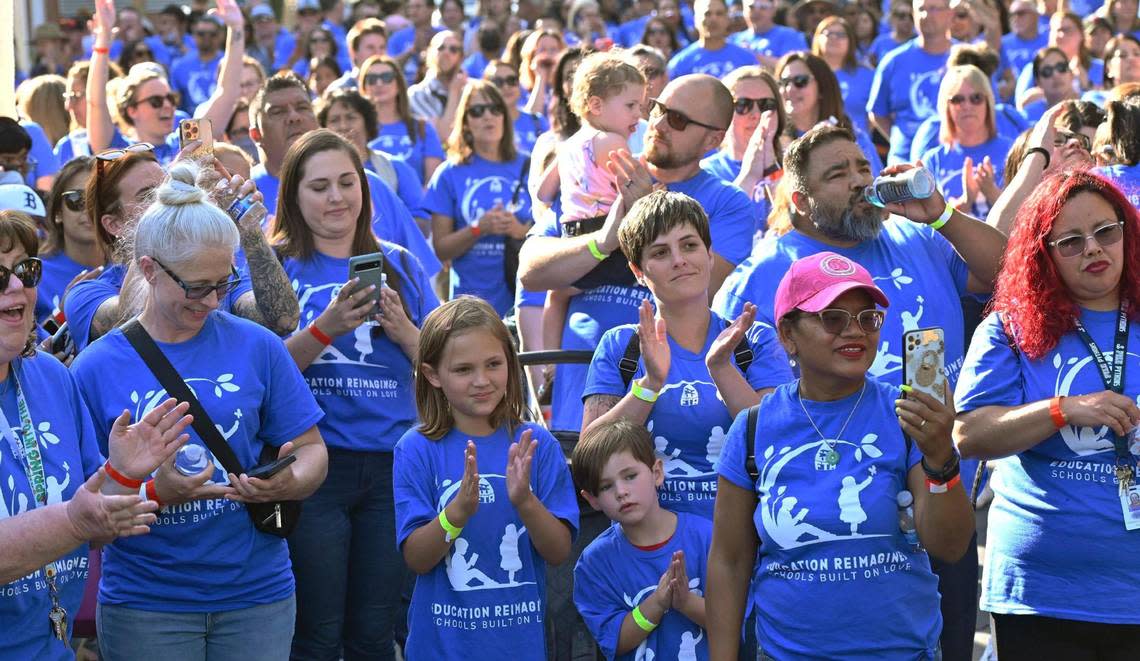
831	443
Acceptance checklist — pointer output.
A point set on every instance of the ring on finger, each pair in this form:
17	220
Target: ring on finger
922	424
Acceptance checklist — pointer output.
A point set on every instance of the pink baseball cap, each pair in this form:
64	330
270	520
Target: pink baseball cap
814	282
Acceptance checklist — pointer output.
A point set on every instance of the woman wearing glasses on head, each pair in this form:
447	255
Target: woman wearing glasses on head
854	483
527	126
205	583
1049	385
411	139
72	245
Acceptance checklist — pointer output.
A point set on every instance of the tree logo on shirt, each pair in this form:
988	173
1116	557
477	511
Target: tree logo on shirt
687	647
1082	441
480	195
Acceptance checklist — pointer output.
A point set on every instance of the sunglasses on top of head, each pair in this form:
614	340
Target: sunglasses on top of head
477	110
382	77
743	105
678	121
975	99
27	271
801	81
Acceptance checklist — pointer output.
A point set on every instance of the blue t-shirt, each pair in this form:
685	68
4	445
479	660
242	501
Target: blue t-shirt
71	454
730	212
75	144
722	166
408	186
613	576
689	419
463	192
1057	546
205	555
1027	80
41	153
194	79
695	58
855	85
946	162
362	381
58	270
471	601
1017	52
776	42
527	129
394	140
1010	123
1124	177
905	88
883	44
829	532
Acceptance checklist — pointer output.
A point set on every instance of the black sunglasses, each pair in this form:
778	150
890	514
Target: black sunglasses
385	77
836	321
1047	71
73	199
975	99
156	101
743	105
198	292
801	81
476	110
505	81
678	121
27	271
452	48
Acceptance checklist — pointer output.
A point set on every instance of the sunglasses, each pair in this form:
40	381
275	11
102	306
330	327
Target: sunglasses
835	34
678	121
73	199
1047	71
451	48
1063	137
385	77
975	99
477	110
27	271
198	292
505	81
743	106
801	81
836	321
156	101
1105	235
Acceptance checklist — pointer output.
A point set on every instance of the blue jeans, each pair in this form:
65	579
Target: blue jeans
349	571
254	633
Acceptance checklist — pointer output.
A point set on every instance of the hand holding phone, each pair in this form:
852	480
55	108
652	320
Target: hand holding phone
369	269
267	471
202	130
924	361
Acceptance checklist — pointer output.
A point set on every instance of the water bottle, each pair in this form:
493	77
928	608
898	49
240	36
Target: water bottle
914	184
906	519
191	459
247	206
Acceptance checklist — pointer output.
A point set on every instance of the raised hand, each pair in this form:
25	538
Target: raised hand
632	175
987	180
230	13
103	23
136	450
101	518
466	501
720	354
520	456
970	184
655	352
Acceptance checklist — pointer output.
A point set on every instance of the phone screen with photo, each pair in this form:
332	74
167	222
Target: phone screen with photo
925	361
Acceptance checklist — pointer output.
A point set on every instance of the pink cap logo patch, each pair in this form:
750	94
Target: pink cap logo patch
837	266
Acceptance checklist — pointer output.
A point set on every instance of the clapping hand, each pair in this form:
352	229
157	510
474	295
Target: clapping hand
101	518
136	450
655	352
720	354
520	456
466	501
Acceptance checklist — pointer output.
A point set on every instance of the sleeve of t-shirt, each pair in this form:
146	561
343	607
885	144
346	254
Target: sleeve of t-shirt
731	465
244	285
879	103
408	188
41	151
412	486
439	198
1025	81
405	231
80	306
924	138
731	225
84	426
289	409
991	371
552	482
604	377
769	366
600	606
433	148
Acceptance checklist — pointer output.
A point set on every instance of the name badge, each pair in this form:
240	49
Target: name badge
1130	506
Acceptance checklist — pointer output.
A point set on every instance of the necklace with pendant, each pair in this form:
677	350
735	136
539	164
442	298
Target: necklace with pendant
827	458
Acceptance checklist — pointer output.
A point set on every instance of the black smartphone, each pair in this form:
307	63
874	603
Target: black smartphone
266	471
62	342
370	269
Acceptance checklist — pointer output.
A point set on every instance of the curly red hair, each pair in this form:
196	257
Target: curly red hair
1029	292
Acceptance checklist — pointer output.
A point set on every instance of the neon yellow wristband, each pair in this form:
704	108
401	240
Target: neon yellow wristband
943	219
643	621
451	533
642	393
592	244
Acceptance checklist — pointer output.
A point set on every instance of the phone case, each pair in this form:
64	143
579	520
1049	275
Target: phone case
925	361
197	129
370	269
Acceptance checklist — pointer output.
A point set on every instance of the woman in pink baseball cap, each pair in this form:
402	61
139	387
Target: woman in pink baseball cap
825	482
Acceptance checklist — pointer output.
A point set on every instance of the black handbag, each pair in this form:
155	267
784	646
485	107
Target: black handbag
512	246
613	270
277	518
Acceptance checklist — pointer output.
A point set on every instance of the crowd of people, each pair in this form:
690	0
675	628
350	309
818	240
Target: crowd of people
271	270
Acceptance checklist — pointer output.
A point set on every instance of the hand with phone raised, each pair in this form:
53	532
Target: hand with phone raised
351	307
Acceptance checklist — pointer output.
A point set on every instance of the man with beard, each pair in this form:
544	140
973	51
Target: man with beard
436	97
926	262
687	121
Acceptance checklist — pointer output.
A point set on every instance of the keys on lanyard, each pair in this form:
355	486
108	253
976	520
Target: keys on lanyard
57	616
1124	475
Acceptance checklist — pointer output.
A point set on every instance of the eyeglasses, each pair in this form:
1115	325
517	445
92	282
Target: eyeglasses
653	32
156	101
73	199
68	97
801	81
835	34
1047	71
27	271
318	40
505	81
114	155
743	106
385	77
678	121
477	110
1062	138
975	99
451	48
198	292
1073	245
836	321
652	72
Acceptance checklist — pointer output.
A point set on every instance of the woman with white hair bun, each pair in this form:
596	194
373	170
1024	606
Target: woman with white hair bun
205	557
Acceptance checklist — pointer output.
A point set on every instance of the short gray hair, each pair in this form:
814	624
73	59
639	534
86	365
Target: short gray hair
182	221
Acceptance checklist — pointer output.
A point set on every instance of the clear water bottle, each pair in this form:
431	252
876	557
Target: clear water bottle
906	519
191	459
247	206
914	184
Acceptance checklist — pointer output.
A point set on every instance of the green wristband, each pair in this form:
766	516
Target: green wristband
592	244
644	394
643	621
943	219
451	533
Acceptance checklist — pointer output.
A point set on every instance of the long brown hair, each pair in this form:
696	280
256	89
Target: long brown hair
403	107
457	316
849	62
461	142
101	195
55	240
829	98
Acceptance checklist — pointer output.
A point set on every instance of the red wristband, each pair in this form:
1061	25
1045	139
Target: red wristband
120	478
152	492
942	487
321	337
101	51
59	316
1055	412
475	231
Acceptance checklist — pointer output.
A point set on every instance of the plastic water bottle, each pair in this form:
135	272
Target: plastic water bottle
247	206
906	519
191	459
914	184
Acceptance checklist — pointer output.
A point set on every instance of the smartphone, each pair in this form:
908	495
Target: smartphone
62	342
370	269
266	471
924	361
197	129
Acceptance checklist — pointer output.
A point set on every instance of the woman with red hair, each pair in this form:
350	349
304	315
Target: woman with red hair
1047	385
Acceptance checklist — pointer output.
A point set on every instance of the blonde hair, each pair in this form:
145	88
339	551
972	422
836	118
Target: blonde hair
123	94
602	74
40	99
460	315
955	76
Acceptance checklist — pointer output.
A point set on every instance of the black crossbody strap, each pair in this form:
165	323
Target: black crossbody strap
175	387
750	444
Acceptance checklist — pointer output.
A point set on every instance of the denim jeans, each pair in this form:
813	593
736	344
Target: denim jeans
247	634
349	571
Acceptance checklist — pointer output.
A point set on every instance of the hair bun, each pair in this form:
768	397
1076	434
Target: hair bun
180	187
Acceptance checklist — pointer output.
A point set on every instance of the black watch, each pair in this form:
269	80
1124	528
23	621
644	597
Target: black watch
771	170
948	472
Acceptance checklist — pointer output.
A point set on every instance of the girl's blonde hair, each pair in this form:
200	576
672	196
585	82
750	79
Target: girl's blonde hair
602	74
460	315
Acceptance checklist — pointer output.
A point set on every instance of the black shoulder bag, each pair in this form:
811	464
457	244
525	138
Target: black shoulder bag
278	518
511	245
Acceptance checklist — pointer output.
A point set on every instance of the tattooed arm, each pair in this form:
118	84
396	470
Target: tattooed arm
272	303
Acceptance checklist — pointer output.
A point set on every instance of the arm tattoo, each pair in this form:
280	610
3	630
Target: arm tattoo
272	303
596	406
106	317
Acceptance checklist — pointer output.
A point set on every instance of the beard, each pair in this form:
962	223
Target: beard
856	221
662	156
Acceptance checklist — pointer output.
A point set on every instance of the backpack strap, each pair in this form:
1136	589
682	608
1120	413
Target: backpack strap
627	366
743	355
750	443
